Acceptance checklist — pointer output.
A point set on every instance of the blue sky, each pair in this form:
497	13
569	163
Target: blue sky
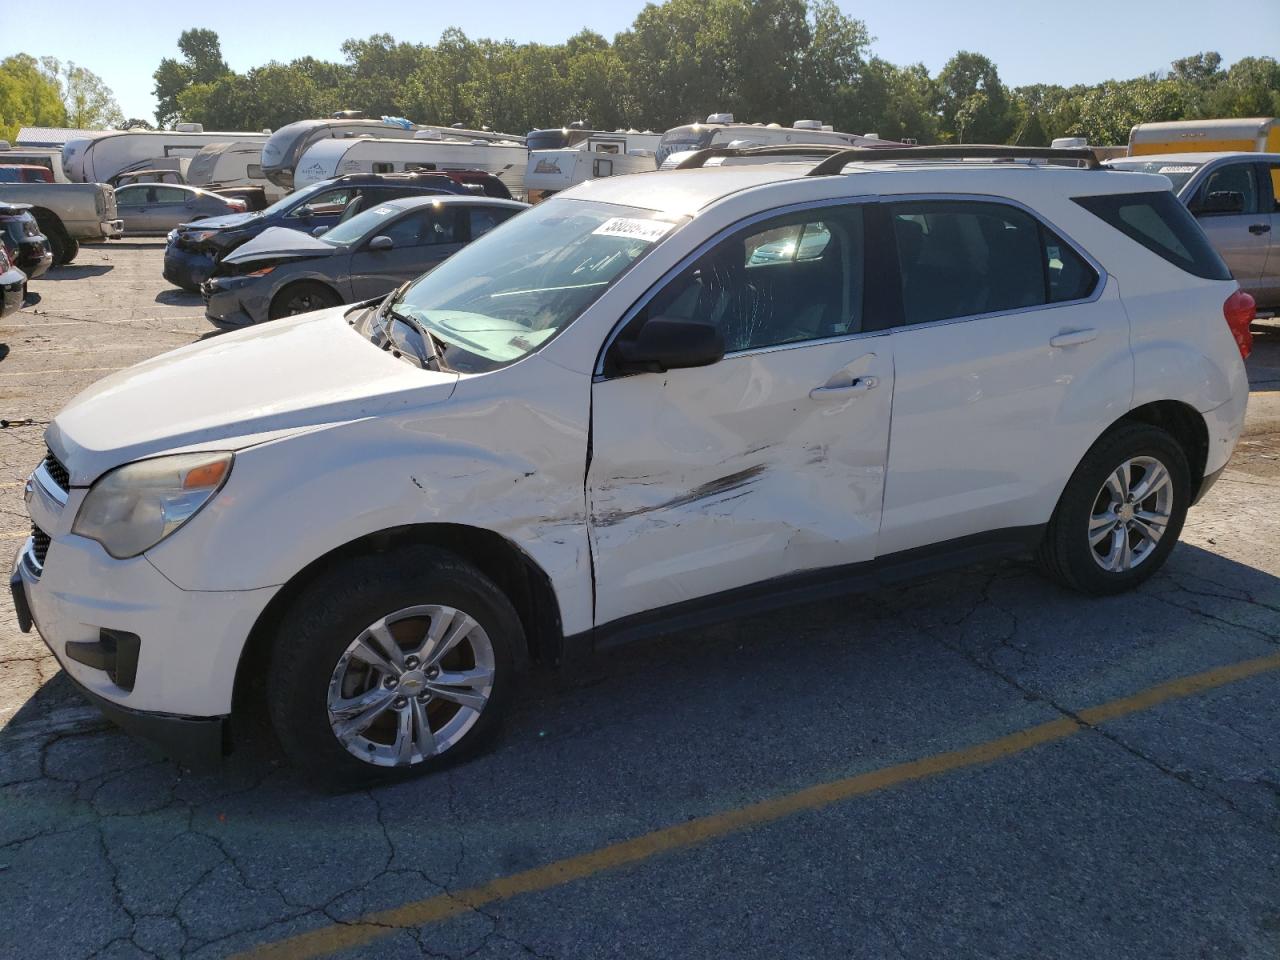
1082	41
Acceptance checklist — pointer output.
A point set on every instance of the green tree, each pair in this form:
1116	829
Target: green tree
1250	88
29	97
973	102
89	103
201	63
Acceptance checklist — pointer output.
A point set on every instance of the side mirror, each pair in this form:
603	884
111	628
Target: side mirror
319	230
381	243
669	343
1221	201
304	212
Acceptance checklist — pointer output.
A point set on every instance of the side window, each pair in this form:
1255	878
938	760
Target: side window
484	219
129	197
1232	178
792	279
423	228
1157	221
961	259
325	202
383	167
170	195
1069	275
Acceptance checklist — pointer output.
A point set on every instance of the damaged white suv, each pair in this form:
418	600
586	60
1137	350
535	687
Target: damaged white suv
650	401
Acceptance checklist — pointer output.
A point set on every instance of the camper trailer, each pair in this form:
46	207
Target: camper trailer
233	164
48	157
559	158
1257	134
97	159
428	150
285	148
720	130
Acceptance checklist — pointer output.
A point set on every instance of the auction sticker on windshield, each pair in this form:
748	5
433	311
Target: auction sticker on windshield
633	229
1177	170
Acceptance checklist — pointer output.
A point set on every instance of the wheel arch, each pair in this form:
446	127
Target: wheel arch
304	281
523	581
1181	421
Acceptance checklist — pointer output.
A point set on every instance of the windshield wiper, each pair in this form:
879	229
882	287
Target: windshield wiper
433	356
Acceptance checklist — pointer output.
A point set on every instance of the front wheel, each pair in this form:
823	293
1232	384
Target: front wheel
302	298
1121	513
391	666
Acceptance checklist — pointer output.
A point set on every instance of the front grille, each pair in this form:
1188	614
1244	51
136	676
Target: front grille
60	475
39	545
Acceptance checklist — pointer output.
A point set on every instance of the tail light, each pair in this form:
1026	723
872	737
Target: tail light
1240	311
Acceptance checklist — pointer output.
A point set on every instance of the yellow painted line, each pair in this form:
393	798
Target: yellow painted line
329	939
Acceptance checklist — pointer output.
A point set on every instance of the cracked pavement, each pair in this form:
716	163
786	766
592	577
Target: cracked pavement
1156	834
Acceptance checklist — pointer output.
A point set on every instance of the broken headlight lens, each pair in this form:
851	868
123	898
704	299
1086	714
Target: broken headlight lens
134	507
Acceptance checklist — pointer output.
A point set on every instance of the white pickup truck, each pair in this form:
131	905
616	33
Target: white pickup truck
68	213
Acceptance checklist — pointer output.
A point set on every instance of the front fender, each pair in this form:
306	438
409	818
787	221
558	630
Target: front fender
514	467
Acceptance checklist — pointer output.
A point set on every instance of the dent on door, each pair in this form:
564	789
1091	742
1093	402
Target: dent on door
759	466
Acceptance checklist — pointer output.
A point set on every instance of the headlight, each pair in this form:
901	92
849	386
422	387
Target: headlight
198	236
134	507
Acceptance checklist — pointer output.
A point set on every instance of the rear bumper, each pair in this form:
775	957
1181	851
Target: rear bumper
12	283
36	265
112	229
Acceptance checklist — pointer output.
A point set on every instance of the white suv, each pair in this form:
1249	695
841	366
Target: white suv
650	401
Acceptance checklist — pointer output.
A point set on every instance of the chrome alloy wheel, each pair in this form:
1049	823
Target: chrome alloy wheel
411	685
1130	514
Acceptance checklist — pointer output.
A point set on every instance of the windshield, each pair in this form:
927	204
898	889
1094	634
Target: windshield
508	293
350	231
1177	171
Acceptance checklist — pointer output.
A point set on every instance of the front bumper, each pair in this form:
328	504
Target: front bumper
181	672
35	262
231	301
187	268
112	229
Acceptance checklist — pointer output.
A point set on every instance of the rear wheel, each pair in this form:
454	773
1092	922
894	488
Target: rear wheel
392	666
72	250
1121	513
302	298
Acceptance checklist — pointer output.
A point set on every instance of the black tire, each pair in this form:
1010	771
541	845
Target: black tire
57	245
303	297
1065	553
337	608
72	250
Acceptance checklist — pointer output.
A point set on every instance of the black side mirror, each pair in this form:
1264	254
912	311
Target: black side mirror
669	343
1222	201
318	231
381	242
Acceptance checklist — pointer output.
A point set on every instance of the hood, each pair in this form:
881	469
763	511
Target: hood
281	242
226	222
238	389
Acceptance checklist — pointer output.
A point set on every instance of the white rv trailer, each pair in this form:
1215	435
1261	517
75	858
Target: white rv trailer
233	164
427	151
720	130
48	157
97	159
285	148
560	158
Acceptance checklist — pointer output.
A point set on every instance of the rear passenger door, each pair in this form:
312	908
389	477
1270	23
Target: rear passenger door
1011	353
1268	290
1241	237
421	239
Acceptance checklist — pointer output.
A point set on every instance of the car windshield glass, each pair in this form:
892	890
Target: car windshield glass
519	285
1177	171
362	224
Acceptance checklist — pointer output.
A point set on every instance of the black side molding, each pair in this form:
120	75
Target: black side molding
807	587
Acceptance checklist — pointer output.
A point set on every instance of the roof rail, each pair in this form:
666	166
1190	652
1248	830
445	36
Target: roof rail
957	151
700	158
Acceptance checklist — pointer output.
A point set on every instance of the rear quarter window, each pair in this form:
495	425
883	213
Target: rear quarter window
1164	226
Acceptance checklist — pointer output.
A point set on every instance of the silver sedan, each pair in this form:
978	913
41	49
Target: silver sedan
156	208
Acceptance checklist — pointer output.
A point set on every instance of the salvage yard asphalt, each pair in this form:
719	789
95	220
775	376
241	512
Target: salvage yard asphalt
979	765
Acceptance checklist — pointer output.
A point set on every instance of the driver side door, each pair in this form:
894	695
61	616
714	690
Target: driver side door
767	463
421	239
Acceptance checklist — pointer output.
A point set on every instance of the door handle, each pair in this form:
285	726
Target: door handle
861	385
1258	229
1073	338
